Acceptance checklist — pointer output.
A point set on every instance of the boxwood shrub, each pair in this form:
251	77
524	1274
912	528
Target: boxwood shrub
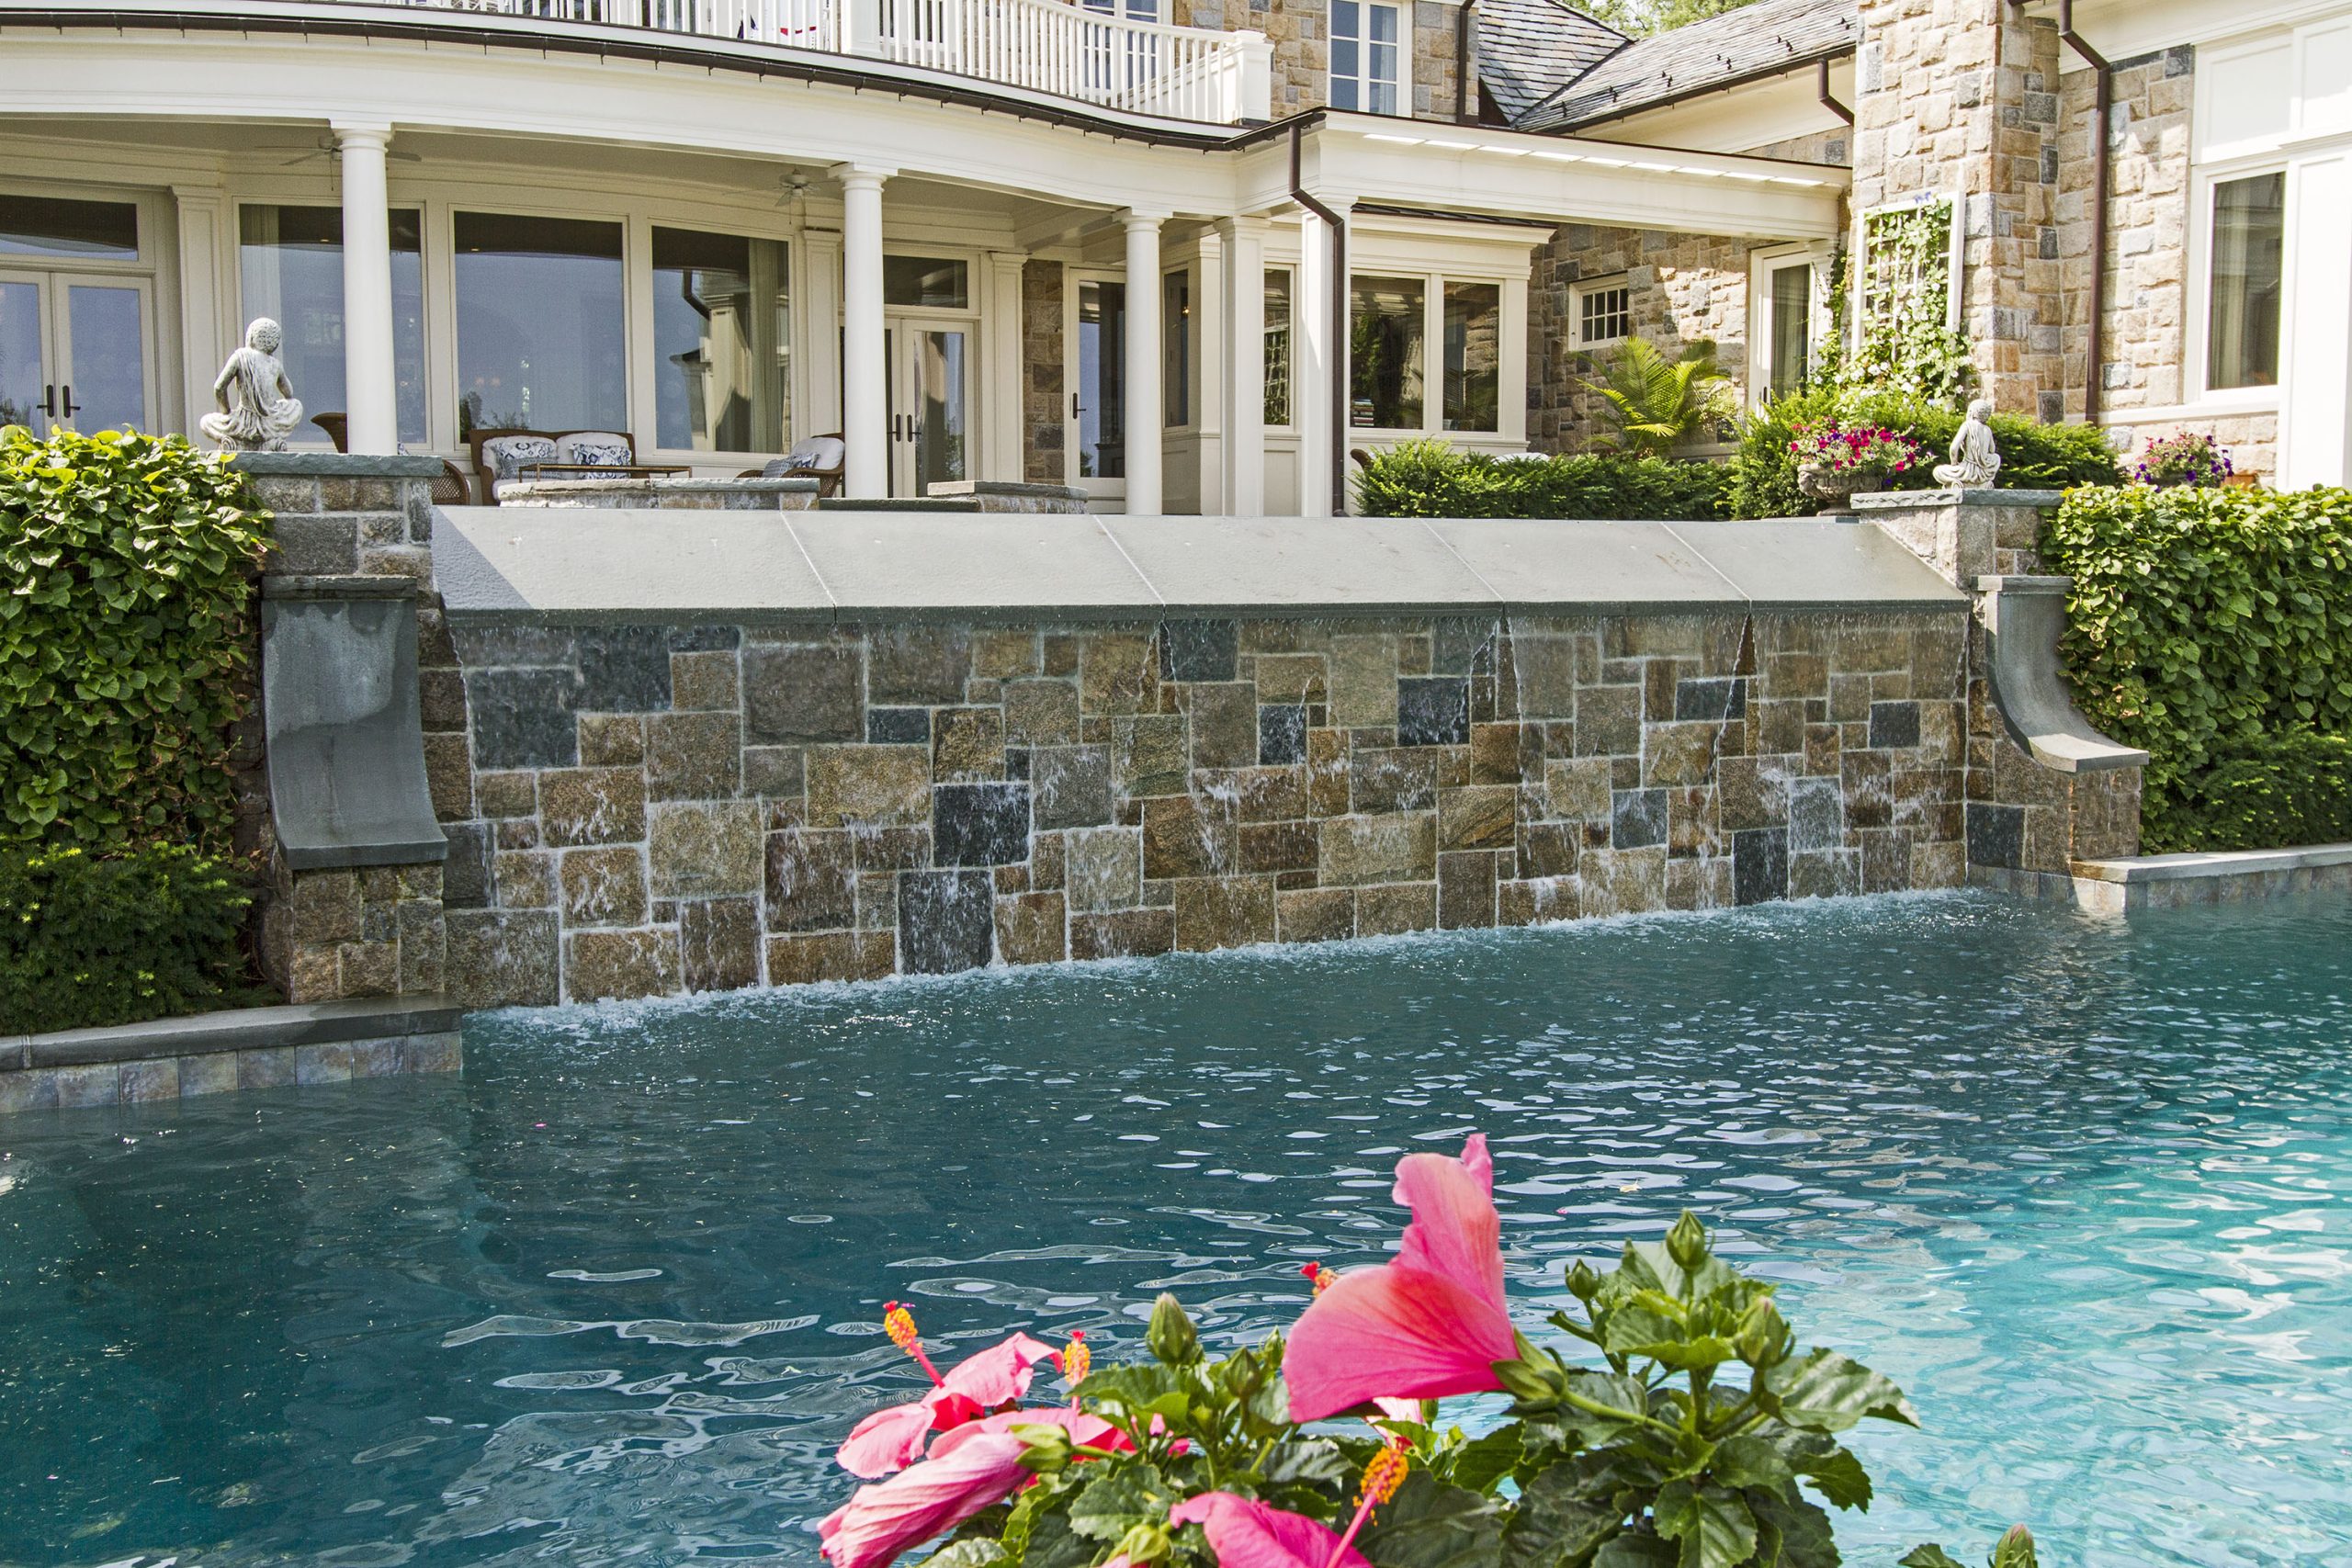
151	933
2214	628
126	566
2033	457
1430	478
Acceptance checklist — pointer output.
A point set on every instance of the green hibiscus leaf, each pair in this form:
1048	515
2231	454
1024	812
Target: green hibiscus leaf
1564	1512
1750	1461
1431	1525
1712	1525
1116	1501
976	1554
1928	1557
1829	1392
1483	1461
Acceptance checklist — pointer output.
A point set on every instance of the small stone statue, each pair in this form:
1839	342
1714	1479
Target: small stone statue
1975	457
258	408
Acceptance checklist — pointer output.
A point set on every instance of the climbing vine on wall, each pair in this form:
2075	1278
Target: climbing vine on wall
1905	342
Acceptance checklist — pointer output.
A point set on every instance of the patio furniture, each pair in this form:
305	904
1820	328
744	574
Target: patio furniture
819	458
449	490
501	454
602	470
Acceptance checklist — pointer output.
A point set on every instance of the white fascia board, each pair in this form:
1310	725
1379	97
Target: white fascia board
1572	180
1741	119
133	75
2124	29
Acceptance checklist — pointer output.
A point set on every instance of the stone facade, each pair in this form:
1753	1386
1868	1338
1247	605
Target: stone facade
1043	388
655	809
1300	32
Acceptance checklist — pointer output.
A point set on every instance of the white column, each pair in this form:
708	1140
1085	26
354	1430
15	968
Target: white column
208	306
1001	414
1145	424
1313	352
2315	402
866	388
1243	392
370	383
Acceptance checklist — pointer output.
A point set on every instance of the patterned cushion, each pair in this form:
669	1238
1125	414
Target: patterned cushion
817	452
505	454
595	446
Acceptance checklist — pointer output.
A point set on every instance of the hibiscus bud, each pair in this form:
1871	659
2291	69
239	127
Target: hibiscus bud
1172	1338
1583	1283
1687	1242
1535	1378
1144	1543
1763	1338
2016	1549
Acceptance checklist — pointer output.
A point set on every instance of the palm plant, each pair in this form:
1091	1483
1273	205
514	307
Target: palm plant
1656	404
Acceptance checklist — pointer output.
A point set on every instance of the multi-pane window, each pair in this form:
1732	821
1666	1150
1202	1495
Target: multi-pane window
1366	68
289	268
1474	314
721	331
1277	347
541	341
2243	301
1385	361
1604	313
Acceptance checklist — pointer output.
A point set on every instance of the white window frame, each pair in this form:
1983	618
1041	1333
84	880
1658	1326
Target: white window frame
2196	310
1763	264
1433	284
1585	288
1363	80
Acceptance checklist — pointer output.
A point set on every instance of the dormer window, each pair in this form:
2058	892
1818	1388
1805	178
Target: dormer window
1367	68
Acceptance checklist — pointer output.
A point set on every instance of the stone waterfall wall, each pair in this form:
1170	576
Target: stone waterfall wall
646	809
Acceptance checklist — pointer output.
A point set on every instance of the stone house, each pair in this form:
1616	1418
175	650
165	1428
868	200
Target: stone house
1181	259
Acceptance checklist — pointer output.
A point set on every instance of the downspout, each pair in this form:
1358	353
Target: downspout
1331	220
1462	61
2094	367
1828	99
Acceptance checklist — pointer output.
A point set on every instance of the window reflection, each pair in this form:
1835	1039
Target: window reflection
540	344
721	332
289	268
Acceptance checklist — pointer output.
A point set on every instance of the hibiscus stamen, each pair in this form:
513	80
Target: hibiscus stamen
899	1324
1324	1279
1077	1360
1381	1478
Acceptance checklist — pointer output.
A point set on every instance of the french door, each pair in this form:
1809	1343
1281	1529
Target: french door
931	402
74	352
1095	423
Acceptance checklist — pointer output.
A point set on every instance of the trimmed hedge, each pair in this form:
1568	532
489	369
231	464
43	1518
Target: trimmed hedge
2033	457
2291	788
2214	627
125	633
87	941
1430	478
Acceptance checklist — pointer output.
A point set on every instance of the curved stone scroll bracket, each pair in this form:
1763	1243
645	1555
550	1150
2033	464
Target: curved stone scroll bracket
341	706
2023	618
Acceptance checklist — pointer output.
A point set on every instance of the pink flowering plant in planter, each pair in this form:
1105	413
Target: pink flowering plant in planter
1681	1427
2185	458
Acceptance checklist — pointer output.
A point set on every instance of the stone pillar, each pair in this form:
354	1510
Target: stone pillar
370	382
2044	790
1959	99
1143	368
1244	388
866	373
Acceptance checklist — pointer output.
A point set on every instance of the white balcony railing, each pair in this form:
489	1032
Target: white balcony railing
1045	46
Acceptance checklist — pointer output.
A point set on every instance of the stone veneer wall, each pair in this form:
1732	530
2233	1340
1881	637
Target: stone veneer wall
1043	457
640	810
1301	35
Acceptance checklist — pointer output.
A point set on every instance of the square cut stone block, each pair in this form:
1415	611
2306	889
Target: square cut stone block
980	824
1466	890
1760	865
1816	814
1432	711
1477	816
947	920
1536	901
1293	679
603	886
1622	881
523	718
1185	836
1005	654
1363	681
1224	725
967	745
704	681
868	786
704	849
694	756
609	741
1609	721
1148	756
611	965
1894	725
1315	914
918	665
1397	908
811	880
1638	819
897	727
1679	754
831	956
592	806
1072	785
1198	650
502	957
1040	713
1103	868
718	943
795	694
1031	928
1280	846
1577	790
1281	734
1390	847
1128	933
1224	912
1117	674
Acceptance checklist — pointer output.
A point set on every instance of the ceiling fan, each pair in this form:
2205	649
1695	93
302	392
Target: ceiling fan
324	147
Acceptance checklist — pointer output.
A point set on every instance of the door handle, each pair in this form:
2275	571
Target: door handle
72	408
49	401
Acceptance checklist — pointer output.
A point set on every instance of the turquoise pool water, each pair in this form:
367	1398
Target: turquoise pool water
614	1296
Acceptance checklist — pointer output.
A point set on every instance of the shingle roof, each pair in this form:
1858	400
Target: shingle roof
1528	49
1754	41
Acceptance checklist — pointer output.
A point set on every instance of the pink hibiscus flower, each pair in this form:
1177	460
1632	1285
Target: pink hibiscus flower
893	1437
971	1468
1428	1324
1245	1533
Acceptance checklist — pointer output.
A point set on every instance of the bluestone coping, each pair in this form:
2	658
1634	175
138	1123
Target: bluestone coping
589	567
336	464
2198	866
237	1028
1903	500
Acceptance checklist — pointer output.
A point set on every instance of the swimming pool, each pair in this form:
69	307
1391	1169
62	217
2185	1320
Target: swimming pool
616	1294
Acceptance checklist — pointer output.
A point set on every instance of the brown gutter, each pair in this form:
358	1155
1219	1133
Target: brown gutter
1339	400
1462	61
2103	99
1828	99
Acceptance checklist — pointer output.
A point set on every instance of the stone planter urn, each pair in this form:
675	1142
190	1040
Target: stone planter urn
1835	487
